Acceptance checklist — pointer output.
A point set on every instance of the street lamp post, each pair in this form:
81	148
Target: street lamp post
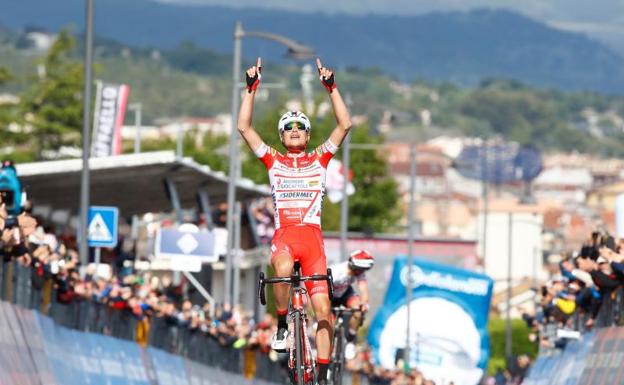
410	253
295	50
137	109
411	228
485	197
510	247
86	132
508	341
344	205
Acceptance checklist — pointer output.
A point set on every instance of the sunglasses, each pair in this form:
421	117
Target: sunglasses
291	125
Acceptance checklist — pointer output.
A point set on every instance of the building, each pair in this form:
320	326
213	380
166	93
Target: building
568	185
511	227
604	197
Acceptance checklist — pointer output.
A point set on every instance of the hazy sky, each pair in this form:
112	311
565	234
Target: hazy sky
602	19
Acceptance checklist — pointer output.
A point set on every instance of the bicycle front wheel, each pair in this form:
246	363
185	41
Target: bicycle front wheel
299	354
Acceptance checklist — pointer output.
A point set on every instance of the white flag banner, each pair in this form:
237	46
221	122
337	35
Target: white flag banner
110	109
335	181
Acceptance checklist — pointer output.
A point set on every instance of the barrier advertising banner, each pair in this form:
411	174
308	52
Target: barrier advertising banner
34	350
110	111
448	328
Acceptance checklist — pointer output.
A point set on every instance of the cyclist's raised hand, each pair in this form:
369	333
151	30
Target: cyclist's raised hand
253	76
326	76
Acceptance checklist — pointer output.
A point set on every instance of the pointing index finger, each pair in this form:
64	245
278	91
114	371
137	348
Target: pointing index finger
318	64
259	63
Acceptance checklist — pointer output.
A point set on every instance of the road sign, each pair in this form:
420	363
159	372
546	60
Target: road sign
186	248
102	226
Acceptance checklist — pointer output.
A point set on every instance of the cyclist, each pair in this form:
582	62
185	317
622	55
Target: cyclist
297	182
345	274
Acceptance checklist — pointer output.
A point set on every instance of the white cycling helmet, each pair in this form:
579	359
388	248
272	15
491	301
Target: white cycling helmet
294	116
361	260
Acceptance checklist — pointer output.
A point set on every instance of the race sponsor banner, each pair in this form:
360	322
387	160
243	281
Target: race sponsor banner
169	368
451	343
110	111
34	350
589	375
34	341
604	363
570	362
23	367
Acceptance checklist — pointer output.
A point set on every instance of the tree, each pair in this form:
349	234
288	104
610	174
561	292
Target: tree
8	115
4	108
375	204
520	342
212	152
52	105
373	207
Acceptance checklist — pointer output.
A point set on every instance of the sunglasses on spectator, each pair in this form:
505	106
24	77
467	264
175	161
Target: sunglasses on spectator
291	125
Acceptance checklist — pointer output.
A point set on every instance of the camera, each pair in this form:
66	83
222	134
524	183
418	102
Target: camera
10	188
10	222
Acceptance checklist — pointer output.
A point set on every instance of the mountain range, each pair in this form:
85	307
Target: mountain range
460	47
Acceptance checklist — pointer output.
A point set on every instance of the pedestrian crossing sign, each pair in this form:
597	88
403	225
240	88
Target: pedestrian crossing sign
102	226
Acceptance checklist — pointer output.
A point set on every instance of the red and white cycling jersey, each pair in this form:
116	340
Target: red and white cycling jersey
297	183
342	278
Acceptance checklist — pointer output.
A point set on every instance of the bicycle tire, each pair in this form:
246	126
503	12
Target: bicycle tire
299	364
339	357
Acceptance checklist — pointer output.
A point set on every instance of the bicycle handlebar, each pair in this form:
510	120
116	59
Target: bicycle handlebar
346	310
295	278
340	311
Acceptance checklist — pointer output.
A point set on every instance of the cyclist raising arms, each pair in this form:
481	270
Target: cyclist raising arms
345	274
298	186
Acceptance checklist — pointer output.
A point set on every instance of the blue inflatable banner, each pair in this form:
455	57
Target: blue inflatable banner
448	323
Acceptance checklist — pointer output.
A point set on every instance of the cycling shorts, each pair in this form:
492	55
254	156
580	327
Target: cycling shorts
349	299
303	244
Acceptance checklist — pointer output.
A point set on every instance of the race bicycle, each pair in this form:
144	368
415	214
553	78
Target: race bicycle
341	325
300	361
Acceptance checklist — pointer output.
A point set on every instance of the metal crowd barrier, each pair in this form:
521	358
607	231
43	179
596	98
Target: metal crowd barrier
612	309
20	285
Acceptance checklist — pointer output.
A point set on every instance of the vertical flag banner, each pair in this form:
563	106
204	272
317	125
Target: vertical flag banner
110	111
448	322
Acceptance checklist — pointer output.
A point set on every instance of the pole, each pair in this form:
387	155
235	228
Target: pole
180	141
237	253
200	288
410	252
485	197
236	68
98	257
344	205
86	133
509	260
137	127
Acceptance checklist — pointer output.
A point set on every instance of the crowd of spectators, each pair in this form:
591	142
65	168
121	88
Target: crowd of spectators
362	365
52	259
262	211
581	292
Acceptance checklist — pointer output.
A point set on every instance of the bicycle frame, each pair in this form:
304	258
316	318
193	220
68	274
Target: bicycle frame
338	358
300	351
